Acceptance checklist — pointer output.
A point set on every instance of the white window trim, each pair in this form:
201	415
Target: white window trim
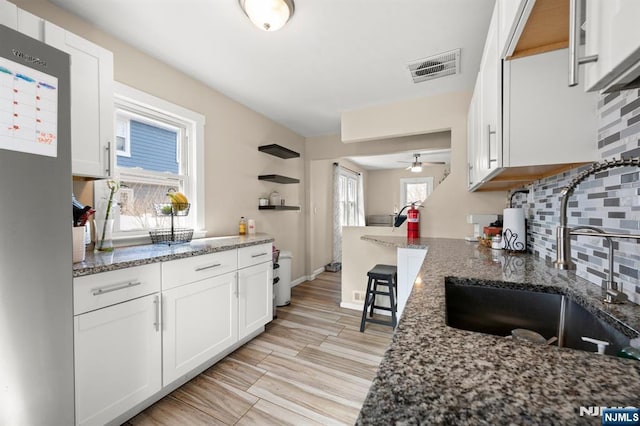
403	184
126	152
124	95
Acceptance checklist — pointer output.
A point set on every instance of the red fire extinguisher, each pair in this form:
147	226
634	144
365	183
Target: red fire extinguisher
413	223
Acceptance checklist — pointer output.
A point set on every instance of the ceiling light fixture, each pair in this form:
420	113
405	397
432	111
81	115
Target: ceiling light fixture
416	166
268	15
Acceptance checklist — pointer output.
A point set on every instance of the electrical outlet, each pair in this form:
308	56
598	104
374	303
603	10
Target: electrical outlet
358	296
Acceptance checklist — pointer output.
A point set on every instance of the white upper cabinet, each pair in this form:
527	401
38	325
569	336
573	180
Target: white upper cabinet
613	33
490	130
545	121
524	121
92	122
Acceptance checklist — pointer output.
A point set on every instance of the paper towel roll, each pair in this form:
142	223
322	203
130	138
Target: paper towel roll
514	233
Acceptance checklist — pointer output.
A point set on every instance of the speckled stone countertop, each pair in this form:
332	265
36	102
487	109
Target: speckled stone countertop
435	374
126	257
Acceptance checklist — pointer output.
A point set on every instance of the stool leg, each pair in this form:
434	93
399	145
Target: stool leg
373	296
366	305
393	301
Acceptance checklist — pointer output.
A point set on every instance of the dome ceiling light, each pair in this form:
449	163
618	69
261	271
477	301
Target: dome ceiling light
268	15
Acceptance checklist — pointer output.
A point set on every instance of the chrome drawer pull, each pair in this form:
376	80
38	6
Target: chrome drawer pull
202	268
156	302
258	255
104	290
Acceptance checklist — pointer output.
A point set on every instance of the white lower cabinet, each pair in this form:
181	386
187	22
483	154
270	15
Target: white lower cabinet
200	320
255	297
117	359
140	329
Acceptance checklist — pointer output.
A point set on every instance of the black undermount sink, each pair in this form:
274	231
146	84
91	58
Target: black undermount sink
497	311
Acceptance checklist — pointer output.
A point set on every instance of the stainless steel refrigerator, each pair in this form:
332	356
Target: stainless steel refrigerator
36	321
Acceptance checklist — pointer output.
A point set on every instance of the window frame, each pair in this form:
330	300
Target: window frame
145	107
126	152
345	203
428	180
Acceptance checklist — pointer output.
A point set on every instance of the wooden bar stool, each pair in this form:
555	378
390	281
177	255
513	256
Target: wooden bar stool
386	276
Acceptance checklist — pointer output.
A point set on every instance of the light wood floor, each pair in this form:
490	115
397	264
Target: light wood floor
311	366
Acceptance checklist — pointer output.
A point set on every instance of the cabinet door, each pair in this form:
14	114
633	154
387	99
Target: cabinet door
545	121
199	321
117	359
612	33
490	129
255	290
473	124
92	120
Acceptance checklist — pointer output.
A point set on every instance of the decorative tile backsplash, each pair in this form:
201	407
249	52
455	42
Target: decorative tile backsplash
608	200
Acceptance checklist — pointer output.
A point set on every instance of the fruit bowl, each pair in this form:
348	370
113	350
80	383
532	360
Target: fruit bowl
172	209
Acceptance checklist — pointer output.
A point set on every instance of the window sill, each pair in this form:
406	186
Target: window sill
139	239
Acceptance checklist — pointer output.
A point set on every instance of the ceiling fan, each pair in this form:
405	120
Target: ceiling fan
416	165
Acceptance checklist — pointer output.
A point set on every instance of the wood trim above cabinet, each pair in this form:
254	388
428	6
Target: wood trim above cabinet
517	177
546	29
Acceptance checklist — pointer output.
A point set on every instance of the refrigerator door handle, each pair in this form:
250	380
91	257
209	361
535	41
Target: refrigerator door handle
104	290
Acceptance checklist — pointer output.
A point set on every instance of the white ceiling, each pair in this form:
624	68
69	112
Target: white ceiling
332	56
400	160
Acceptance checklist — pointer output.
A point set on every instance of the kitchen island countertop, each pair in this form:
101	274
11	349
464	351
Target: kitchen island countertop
126	257
435	374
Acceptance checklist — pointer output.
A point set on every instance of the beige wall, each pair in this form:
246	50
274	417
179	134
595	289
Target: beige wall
382	193
436	122
232	134
320	196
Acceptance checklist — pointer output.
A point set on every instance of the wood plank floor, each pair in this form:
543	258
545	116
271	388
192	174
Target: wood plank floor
311	366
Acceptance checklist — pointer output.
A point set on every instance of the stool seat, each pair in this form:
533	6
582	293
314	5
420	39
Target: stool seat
386	276
382	271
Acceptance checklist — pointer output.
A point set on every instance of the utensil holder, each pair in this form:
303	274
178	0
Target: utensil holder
78	244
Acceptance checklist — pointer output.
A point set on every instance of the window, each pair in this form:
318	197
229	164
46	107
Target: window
349	198
159	146
415	189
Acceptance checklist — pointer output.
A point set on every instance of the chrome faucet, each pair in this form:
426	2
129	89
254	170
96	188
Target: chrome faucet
564	232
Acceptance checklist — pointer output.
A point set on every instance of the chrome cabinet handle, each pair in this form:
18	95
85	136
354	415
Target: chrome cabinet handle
203	268
108	149
156	301
489	133
104	290
258	255
575	11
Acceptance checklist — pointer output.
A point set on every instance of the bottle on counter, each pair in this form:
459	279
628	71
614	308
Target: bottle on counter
242	226
251	227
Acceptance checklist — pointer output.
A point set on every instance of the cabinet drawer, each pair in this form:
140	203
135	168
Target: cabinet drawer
108	288
253	255
183	271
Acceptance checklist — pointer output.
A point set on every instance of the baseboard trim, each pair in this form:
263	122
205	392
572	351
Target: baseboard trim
298	281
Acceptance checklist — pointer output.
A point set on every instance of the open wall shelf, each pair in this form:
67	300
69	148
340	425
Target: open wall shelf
278	207
278	179
278	151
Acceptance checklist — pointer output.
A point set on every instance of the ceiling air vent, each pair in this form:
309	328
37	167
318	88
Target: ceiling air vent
447	63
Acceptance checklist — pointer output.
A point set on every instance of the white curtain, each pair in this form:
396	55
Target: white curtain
337	215
360	204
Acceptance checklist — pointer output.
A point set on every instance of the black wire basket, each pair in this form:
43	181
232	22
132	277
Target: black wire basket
171	236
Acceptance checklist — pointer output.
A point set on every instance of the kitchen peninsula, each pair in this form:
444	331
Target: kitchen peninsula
433	373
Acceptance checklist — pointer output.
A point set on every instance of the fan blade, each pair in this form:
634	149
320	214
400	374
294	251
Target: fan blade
433	163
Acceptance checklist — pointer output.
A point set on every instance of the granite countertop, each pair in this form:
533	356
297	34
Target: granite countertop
126	257
435	374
